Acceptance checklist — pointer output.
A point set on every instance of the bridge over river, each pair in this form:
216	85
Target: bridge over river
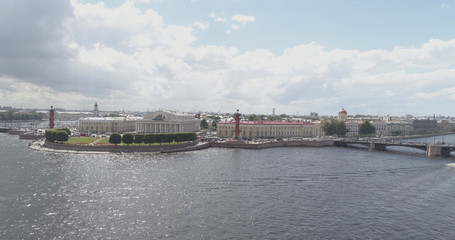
432	150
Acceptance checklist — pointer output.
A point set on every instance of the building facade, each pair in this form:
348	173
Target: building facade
269	129
352	128
96	111
167	122
107	125
421	126
342	115
383	128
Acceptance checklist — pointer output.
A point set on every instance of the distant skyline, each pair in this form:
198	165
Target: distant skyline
369	57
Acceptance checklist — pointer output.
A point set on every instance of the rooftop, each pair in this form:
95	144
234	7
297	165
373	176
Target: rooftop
129	118
243	122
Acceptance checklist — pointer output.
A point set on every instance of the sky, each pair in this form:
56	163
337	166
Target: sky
298	56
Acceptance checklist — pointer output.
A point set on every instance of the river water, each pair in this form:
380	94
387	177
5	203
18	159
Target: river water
278	193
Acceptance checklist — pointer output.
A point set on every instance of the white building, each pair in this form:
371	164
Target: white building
107	124
392	128
352	128
269	129
167	122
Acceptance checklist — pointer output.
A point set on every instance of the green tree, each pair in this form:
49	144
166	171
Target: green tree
191	136
366	128
334	127
204	124
128	138
150	138
50	135
67	130
215	121
115	138
169	138
179	137
160	138
139	138
10	115
61	136
275	118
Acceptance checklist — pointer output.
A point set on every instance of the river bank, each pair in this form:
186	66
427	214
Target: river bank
191	146
41	145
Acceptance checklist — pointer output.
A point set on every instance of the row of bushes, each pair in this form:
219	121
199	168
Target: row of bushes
151	138
57	134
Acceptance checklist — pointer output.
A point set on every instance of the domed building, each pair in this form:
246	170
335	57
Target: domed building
342	115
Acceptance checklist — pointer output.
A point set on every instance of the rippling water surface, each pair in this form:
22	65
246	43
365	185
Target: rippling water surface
279	193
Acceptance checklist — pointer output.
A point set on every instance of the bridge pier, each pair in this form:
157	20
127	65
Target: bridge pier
377	146
434	150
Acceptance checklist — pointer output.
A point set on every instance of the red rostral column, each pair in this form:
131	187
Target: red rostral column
237	125
51	117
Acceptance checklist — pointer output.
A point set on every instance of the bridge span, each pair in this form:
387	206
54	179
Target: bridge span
432	150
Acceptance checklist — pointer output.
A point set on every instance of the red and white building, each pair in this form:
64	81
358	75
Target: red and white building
269	129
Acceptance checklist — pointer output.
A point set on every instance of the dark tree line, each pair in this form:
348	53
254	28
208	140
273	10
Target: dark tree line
334	127
261	117
57	134
12	115
366	129
151	138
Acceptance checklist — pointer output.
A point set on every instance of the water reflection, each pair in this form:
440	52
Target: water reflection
297	193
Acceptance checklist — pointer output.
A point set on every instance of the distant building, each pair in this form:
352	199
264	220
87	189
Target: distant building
342	115
383	128
96	112
424	126
167	122
269	129
352	128
397	128
447	126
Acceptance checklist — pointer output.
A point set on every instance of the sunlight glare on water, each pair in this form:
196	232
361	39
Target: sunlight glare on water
279	193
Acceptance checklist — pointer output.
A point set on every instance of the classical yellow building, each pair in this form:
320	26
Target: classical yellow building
269	129
167	122
91	125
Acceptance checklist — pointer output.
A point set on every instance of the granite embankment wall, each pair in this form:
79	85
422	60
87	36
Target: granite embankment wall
252	145
187	149
30	136
118	148
272	144
183	147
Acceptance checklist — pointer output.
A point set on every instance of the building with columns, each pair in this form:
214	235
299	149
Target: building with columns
167	122
89	125
269	129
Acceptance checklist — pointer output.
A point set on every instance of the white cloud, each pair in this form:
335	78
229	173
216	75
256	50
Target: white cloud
125	57
201	25
244	19
234	27
217	18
